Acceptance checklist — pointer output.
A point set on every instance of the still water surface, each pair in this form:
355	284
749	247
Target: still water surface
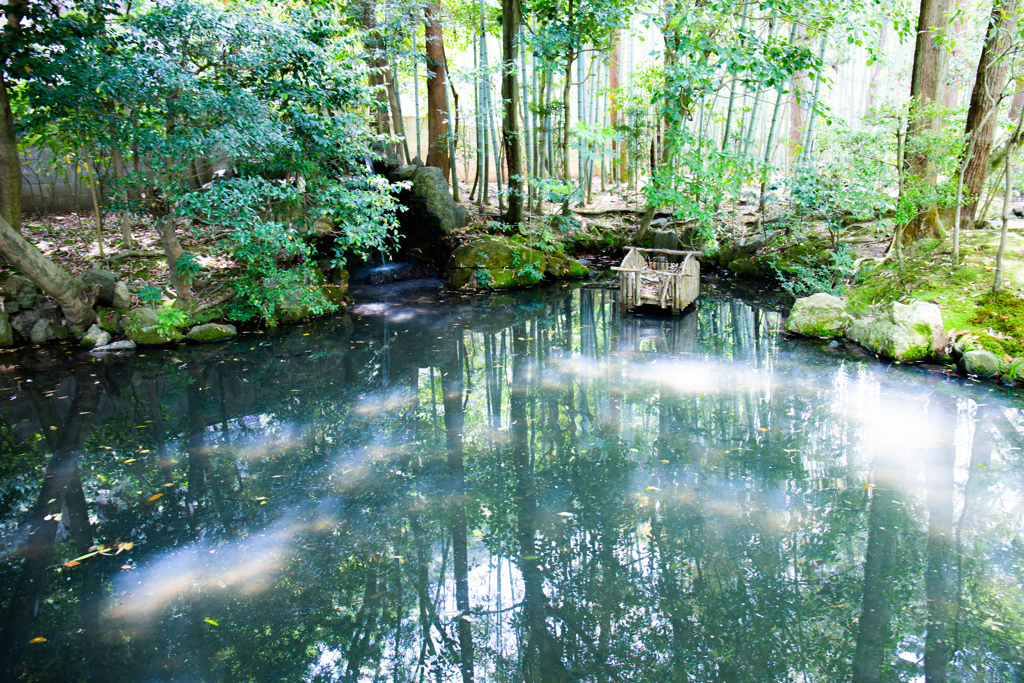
520	488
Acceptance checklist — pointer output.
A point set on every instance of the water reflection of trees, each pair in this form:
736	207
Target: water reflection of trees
553	493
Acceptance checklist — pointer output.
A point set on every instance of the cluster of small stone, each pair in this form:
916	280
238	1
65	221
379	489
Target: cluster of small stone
29	317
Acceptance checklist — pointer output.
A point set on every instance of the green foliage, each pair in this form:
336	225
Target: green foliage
483	276
526	269
278	97
830	279
169	319
187	265
150	294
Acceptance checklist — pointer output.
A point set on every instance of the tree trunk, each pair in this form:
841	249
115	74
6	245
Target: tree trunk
70	293
927	88
437	101
10	163
997	285
510	19
993	67
173	252
126	218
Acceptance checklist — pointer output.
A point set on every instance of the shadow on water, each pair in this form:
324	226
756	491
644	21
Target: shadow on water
521	487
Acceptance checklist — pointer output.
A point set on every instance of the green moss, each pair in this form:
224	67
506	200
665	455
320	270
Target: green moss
1002	313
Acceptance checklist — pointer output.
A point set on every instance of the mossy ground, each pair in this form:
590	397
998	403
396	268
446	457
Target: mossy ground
963	292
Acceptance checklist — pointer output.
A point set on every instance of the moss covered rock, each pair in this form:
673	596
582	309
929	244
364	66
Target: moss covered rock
819	315
902	332
491	262
109	321
141	325
211	332
979	363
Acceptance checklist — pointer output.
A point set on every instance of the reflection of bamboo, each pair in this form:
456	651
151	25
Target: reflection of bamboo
939	573
876	610
452	392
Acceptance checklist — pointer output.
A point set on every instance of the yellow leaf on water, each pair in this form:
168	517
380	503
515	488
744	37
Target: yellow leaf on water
154	497
263	502
762	429
130	460
664	462
211	621
869	486
53	429
652	488
38	639
789	450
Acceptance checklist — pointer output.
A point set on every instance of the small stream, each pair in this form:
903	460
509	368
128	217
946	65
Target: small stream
519	487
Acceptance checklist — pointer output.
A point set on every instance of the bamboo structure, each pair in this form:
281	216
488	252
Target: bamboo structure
646	278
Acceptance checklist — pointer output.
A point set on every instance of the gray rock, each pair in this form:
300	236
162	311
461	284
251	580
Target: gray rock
123	345
15	286
42	331
461	216
405	172
140	326
122	298
23	322
819	315
49	310
11	307
95	336
665	239
211	332
902	332
105	279
980	363
6	331
430	216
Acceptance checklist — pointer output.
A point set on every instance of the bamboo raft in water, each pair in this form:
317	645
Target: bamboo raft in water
643	279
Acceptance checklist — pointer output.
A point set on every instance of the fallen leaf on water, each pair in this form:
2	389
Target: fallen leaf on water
211	621
154	497
789	450
262	498
664	462
71	564
869	486
565	514
38	639
130	460
652	488
762	429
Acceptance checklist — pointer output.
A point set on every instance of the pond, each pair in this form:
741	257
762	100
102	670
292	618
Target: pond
525	487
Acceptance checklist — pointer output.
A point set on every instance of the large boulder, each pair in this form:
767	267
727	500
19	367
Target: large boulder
491	262
23	322
141	325
106	281
430	216
211	332
819	315
908	332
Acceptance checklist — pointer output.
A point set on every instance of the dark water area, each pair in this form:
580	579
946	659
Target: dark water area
523	487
